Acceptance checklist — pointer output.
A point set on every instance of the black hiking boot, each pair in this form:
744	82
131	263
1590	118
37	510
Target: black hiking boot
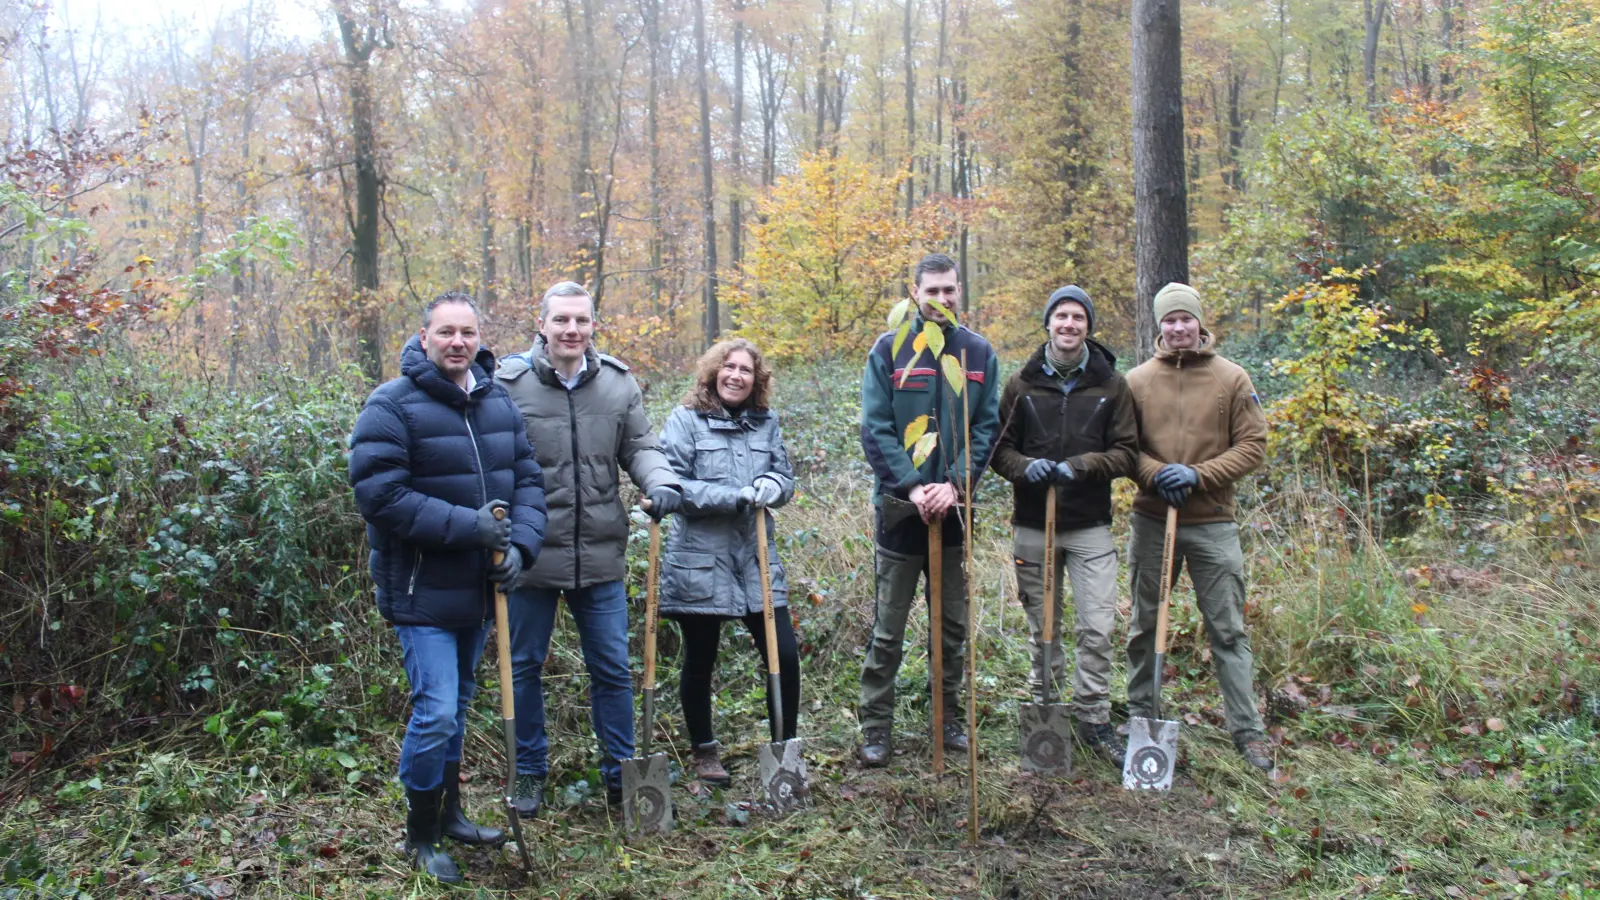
1254	749
876	747
1101	739
528	795
453	821
955	738
422	836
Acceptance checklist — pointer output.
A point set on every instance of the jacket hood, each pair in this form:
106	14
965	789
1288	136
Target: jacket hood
415	365
1206	349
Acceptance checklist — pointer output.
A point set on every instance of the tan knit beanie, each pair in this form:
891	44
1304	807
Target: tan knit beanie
1176	296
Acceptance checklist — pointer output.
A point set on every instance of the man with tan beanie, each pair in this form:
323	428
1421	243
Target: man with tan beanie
1201	429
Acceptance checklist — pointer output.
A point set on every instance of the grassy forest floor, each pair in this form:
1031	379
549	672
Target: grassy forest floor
1433	717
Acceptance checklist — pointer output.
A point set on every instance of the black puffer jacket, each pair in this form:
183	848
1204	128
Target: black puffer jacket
424	457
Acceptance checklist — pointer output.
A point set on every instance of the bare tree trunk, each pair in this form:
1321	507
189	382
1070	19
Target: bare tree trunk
938	104
486	255
911	112
736	158
1236	128
713	320
1369	50
652	25
358	50
1161	221
822	75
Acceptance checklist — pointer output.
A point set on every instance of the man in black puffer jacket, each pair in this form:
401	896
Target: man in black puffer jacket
434	453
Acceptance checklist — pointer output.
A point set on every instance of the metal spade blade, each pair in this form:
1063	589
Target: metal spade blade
1046	728
783	769
646	789
1153	741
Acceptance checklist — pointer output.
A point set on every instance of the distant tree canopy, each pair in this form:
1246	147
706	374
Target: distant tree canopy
291	201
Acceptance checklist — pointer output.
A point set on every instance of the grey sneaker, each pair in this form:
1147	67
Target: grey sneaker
528	795
1254	749
876	747
1101	739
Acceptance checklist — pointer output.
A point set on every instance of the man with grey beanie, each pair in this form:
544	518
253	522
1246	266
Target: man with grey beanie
1072	426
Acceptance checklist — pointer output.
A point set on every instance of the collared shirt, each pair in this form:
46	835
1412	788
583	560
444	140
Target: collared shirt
570	383
1068	376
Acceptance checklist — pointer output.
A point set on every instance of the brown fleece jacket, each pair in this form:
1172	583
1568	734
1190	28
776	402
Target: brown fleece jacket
1198	409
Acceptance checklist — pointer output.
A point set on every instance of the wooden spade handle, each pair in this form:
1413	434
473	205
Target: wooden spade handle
1168	550
651	600
502	637
1049	593
766	592
936	636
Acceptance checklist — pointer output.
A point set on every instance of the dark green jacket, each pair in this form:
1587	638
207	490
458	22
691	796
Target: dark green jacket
1093	428
889	404
580	437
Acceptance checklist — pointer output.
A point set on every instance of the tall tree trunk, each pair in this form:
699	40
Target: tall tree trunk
652	24
822	76
736	158
1236	125
911	112
486	255
938	103
358	50
713	316
1369	50
1161	219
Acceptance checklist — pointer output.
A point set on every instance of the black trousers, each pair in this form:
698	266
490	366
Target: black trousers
701	635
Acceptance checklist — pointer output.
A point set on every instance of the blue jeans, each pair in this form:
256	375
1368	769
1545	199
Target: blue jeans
601	614
439	663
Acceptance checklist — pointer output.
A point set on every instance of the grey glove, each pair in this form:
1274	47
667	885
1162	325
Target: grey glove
509	569
493	534
664	501
1174	482
1063	473
1038	471
747	497
768	491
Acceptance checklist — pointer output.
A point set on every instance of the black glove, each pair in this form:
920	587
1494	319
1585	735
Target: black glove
1063	473
509	569
768	491
1174	482
664	501
1038	471
747	497
494	534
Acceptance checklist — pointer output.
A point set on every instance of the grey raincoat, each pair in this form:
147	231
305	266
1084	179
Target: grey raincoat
710	565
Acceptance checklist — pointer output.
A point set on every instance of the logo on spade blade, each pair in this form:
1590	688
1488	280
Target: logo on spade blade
1149	766
1046	749
649	805
785	789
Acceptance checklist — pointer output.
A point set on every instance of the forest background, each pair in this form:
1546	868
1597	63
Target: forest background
216	231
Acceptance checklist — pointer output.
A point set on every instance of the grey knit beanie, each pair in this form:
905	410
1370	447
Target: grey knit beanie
1077	295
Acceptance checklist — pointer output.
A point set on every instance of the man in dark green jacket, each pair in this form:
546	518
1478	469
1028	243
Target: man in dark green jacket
585	416
901	385
1071	425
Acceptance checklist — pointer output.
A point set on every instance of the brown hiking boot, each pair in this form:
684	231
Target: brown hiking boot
1255	751
1101	739
876	747
708	766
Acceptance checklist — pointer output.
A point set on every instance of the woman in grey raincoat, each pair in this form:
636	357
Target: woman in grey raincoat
725	445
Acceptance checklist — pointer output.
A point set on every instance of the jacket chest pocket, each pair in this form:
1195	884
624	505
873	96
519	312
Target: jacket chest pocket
713	461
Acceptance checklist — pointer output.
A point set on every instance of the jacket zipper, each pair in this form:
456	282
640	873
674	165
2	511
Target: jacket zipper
416	567
577	496
483	485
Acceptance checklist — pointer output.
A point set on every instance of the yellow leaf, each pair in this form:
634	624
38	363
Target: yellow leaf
915	430
900	338
1419	607
924	448
933	337
920	343
954	374
899	312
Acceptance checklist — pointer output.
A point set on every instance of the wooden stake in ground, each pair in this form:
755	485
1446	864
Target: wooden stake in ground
972	625
936	636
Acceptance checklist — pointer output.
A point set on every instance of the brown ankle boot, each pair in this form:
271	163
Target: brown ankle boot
708	767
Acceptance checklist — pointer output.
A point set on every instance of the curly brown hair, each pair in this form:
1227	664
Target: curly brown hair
702	395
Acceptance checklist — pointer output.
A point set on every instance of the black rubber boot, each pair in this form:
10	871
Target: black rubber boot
422	836
453	821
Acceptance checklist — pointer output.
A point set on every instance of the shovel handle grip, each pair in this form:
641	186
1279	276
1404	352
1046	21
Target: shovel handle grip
1168	551
651	603
499	556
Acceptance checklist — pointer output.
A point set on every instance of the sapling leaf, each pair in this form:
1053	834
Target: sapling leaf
933	337
953	373
943	310
924	448
900	336
915	430
897	314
